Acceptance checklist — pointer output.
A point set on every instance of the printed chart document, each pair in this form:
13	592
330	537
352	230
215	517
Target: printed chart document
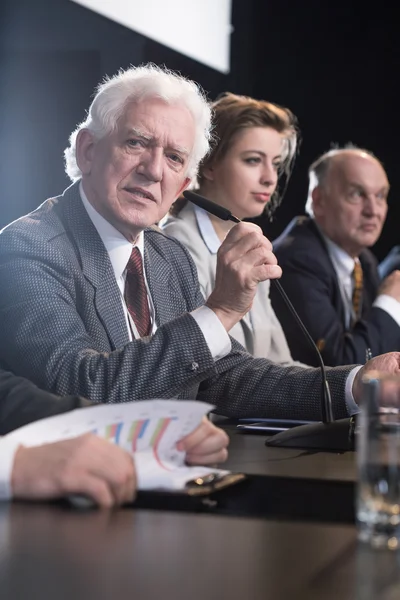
148	429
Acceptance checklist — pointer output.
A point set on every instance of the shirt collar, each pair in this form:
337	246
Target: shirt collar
118	247
207	230
343	261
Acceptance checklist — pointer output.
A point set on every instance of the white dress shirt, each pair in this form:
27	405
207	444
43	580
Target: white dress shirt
344	267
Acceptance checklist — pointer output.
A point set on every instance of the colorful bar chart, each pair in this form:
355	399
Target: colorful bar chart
136	432
148	429
113	432
157	437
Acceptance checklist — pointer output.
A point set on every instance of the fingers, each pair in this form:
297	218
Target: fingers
197	436
115	468
124	484
242	241
244	259
205	445
264	272
248	254
207	459
91	486
247	233
253	258
387	363
120	481
84	465
384	364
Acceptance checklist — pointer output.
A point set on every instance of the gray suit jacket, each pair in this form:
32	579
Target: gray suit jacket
62	325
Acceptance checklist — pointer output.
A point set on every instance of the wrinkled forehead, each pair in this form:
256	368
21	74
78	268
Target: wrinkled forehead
152	111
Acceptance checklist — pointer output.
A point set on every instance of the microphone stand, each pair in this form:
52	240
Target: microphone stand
327	434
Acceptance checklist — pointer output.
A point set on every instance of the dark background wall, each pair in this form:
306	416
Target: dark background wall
334	64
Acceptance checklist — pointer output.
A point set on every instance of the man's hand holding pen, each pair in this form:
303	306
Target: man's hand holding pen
245	258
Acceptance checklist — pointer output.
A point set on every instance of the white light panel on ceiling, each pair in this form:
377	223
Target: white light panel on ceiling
199	29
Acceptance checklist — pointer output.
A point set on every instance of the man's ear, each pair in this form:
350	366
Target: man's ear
317	200
84	150
184	186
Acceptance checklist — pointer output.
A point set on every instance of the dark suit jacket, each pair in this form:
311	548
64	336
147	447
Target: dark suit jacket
310	280
21	402
63	325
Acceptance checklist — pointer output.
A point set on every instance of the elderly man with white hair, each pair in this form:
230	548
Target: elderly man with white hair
96	301
328	271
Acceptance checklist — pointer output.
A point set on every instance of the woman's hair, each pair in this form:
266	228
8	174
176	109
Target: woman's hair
231	115
133	85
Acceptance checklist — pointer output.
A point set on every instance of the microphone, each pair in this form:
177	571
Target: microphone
211	207
328	434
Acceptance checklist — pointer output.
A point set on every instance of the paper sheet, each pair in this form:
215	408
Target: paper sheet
148	429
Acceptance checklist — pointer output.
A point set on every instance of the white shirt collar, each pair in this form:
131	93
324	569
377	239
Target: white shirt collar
343	262
118	247
207	230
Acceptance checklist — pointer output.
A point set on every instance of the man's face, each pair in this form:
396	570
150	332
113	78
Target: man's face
133	175
350	206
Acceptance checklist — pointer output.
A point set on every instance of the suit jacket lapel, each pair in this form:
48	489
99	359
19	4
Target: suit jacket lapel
338	299
161	282
96	266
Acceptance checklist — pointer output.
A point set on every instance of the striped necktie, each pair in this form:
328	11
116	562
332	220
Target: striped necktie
358	289
136	294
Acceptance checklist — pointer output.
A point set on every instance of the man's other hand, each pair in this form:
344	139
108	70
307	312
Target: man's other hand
85	465
206	445
385	363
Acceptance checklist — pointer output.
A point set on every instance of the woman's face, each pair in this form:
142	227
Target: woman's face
244	180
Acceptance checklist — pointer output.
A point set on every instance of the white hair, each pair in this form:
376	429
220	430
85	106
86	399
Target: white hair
312	184
133	85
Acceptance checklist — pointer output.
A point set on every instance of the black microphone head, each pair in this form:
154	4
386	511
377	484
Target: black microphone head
211	207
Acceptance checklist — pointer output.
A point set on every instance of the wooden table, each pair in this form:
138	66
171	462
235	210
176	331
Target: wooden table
54	552
248	453
57	553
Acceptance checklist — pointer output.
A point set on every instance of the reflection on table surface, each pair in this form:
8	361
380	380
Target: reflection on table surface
55	552
248	453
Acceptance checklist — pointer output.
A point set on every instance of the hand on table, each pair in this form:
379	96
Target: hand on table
86	465
206	445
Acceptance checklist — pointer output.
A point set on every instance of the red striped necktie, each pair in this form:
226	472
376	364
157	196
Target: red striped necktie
136	294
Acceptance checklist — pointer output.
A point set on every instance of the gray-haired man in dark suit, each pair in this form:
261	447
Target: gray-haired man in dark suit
329	272
69	311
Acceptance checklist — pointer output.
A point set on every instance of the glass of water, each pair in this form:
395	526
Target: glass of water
378	458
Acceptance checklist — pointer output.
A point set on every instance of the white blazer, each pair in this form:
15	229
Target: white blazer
259	331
